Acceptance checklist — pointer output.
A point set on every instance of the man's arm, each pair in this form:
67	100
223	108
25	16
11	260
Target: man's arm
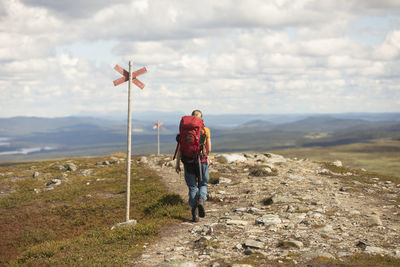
208	145
178	161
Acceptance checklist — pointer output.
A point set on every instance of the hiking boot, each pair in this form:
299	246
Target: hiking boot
195	214
200	205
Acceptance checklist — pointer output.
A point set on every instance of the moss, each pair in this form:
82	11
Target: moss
77	217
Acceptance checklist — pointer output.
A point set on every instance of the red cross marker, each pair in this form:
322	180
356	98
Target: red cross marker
158	124
125	76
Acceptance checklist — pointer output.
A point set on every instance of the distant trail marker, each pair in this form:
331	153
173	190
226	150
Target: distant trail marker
131	77
157	125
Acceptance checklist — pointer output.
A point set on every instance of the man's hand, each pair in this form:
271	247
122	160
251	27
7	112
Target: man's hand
178	168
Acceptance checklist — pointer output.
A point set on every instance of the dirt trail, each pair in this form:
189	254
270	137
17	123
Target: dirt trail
292	211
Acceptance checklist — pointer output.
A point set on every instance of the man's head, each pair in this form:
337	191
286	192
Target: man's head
197	113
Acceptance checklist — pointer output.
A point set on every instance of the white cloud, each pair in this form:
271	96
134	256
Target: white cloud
390	48
225	56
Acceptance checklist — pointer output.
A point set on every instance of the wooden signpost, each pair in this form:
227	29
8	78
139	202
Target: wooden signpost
131	77
158	127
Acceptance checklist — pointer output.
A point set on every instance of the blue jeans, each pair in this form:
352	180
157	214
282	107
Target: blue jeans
194	186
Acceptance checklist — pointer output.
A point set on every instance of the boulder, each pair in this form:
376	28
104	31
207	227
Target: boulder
249	243
170	163
223	180
277	198
86	172
295	177
268	219
143	160
291	244
70	167
317	254
273	158
337	163
236	222
229	158
375	220
323	172
59	167
54	182
261	172
124	224
375	250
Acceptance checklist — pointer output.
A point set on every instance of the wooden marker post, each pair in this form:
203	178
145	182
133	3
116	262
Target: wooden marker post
159	127
129	146
131	77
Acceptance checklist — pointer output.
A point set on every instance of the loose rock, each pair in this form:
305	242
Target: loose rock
70	167
253	244
268	219
337	163
229	158
54	182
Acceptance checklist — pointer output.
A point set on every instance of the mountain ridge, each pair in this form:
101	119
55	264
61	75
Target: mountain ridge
89	134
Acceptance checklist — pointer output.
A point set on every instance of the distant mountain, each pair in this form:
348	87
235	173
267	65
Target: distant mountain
257	123
33	137
322	124
387	116
20	126
232	120
254	125
357	134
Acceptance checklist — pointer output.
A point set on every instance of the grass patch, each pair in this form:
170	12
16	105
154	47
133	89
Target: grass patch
357	260
70	224
169	206
381	156
351	261
360	175
97	247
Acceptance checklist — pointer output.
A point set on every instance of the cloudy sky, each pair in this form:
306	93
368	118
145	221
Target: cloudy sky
253	56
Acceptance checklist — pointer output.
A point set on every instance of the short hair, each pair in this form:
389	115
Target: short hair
197	113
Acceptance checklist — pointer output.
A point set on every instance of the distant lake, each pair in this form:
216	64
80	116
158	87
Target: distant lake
4	141
7	149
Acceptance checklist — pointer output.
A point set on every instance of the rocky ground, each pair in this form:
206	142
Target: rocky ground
265	209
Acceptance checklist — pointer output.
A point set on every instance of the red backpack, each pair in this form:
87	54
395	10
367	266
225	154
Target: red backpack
190	138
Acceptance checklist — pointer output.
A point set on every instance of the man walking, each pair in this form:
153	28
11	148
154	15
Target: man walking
196	173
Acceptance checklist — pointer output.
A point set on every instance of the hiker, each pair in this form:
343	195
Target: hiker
196	179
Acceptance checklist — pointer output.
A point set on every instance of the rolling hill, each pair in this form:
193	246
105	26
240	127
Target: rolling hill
23	138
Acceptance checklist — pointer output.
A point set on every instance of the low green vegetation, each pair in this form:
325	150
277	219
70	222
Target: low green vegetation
360	175
381	156
291	260
357	260
70	224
